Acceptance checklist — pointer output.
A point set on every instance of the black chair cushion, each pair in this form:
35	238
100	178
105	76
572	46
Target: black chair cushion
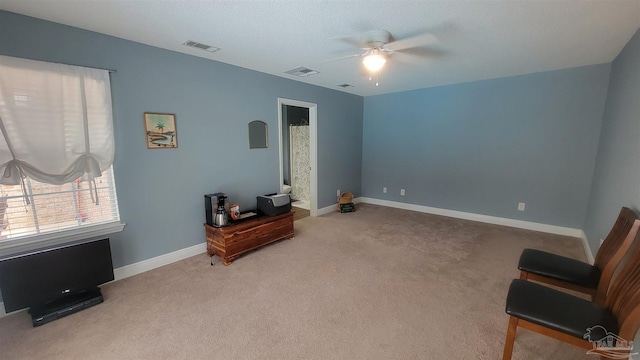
559	267
556	310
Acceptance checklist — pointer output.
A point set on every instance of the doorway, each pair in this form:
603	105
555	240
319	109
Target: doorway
297	129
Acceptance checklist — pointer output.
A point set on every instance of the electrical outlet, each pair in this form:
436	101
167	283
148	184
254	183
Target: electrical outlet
338	192
384	189
521	206
402	192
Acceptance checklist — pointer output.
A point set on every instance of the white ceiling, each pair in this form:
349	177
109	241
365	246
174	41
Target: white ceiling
476	39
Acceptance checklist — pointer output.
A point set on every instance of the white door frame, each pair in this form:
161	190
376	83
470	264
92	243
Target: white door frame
313	148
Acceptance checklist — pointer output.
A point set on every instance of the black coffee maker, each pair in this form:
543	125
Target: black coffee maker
217	209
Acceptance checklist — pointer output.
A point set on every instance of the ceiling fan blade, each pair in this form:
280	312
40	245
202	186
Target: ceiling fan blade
339	58
424	39
349	40
418	56
405	58
422	52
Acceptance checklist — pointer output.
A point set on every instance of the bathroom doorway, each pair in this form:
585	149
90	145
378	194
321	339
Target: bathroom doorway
297	135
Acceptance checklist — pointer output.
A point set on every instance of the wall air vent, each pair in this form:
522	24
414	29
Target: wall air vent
345	85
201	46
302	72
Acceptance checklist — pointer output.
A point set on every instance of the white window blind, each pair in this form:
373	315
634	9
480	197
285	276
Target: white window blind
56	149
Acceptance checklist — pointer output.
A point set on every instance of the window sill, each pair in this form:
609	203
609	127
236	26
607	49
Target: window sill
11	247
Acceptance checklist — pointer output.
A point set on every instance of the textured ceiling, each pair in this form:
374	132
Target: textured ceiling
476	39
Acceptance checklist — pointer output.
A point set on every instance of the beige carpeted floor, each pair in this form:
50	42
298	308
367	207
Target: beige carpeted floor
379	283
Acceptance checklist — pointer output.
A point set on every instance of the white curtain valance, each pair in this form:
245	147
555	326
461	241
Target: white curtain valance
56	122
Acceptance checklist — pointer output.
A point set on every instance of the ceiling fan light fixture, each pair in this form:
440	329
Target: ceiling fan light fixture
374	60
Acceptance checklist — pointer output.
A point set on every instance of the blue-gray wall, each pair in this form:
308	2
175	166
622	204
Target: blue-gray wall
478	147
616	182
485	146
160	192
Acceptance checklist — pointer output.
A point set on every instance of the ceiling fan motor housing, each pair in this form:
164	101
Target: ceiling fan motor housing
376	38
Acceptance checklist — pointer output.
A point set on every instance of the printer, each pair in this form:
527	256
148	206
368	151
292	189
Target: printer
274	204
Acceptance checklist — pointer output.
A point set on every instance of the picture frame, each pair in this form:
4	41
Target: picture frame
160	130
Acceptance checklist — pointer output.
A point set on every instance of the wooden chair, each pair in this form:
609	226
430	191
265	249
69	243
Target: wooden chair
576	275
575	320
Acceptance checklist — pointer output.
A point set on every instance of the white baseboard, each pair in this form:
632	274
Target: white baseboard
3	313
166	259
326	210
552	229
158	261
334	207
587	248
145	265
528	225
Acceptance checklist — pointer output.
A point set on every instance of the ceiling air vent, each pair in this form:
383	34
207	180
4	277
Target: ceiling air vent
302	72
201	46
345	85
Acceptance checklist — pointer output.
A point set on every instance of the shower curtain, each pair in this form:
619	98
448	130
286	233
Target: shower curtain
300	163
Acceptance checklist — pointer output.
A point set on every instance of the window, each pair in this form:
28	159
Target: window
53	208
56	154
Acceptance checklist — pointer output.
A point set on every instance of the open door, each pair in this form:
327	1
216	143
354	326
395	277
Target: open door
285	153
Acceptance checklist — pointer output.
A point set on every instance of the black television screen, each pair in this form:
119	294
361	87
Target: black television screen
36	278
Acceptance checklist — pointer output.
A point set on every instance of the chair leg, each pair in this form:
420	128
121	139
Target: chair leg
511	338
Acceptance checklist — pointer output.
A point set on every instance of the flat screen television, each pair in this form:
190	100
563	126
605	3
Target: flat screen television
57	281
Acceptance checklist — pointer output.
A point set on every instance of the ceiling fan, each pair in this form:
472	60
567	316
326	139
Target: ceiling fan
379	46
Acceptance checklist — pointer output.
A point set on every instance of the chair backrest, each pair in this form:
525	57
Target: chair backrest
624	296
613	249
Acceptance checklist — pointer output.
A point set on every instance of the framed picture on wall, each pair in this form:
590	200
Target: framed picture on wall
160	130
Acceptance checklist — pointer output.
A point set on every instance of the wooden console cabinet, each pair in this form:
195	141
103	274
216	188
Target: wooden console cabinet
231	241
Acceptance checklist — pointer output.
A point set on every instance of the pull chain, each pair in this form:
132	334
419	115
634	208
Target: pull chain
377	78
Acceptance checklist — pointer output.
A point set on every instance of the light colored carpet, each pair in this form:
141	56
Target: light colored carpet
379	283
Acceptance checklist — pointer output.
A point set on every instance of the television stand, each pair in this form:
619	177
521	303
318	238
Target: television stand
64	306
